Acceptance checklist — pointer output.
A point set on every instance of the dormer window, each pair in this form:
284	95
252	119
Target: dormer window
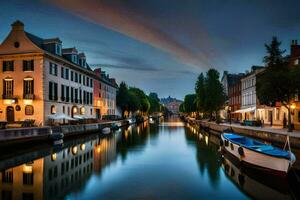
58	49
74	59
82	62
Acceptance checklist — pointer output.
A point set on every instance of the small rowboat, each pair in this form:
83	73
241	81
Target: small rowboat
258	154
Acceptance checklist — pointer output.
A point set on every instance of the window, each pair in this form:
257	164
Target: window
28	87
80	78
83	80
64	109
72	94
53	109
76	77
277	113
76	95
72	74
62	93
58	49
28	65
62	72
8	88
29	110
82	110
91	111
8	66
67	93
52	91
6	194
27	178
53	69
27	196
80	96
91	82
67	74
7	176
87	81
91	98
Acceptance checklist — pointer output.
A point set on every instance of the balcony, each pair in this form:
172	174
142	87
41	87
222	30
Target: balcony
8	96
28	96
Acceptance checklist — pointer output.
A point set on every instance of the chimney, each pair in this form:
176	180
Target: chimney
17	26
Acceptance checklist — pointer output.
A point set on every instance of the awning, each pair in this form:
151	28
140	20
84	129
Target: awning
250	109
60	116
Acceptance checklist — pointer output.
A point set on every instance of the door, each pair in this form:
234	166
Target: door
98	116
10	114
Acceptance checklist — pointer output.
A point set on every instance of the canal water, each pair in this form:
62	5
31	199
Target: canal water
165	160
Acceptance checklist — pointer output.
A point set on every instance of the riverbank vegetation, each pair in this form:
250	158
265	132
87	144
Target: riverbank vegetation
134	100
209	96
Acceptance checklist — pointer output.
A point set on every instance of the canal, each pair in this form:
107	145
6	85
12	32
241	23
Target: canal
165	160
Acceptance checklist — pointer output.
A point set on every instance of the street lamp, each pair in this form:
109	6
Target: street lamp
229	111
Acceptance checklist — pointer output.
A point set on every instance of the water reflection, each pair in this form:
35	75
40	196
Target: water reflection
154	161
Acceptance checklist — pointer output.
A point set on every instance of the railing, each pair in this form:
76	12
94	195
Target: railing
28	96
8	96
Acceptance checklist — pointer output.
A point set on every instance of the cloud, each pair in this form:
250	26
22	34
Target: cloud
112	16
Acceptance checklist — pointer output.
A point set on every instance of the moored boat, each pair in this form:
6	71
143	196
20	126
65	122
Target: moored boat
106	130
257	153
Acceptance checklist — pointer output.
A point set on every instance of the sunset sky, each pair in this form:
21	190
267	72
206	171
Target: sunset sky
160	45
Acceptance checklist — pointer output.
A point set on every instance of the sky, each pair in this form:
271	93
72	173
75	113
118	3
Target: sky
160	45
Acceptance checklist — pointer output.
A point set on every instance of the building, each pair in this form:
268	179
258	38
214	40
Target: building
24	181
40	78
249	102
234	94
172	104
105	90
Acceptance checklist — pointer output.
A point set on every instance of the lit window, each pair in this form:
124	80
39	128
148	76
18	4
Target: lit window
82	110
53	109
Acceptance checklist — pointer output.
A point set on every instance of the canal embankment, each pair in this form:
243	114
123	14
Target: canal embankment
274	136
32	134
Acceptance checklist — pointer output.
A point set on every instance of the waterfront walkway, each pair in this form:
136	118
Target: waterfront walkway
266	128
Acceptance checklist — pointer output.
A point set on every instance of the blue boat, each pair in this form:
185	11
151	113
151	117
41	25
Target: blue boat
257	153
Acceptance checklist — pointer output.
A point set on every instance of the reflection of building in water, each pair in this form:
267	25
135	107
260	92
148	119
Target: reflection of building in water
55	175
23	182
68	169
104	153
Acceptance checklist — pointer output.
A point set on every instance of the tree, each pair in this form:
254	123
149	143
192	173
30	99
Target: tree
142	98
181	108
278	82
189	103
200	93
274	55
154	103
134	102
154	95
214	93
122	97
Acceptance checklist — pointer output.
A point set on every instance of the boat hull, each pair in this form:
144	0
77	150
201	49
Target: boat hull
252	158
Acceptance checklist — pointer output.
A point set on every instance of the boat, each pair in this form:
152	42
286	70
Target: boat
115	126
106	130
258	154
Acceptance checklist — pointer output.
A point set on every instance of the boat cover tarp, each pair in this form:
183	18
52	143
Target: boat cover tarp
256	145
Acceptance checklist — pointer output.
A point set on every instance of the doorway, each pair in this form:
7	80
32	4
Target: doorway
10	114
98	115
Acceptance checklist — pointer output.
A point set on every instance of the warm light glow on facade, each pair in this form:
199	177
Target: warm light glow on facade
9	101
74	150
53	157
28	102
82	147
27	168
